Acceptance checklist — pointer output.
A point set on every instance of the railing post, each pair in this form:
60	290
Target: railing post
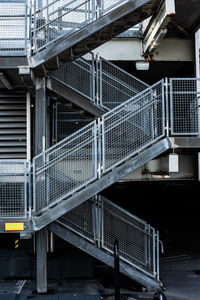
97	220
166	86
30	191
157	255
99	148
97	70
99	8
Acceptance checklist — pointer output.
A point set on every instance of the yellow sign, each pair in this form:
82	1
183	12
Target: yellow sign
14	226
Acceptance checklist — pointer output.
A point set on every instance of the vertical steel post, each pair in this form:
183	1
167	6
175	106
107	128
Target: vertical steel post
116	270
40	115
157	255
97	97
99	159
166	108
40	145
41	254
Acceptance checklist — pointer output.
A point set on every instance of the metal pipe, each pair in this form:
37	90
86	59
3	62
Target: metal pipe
116	270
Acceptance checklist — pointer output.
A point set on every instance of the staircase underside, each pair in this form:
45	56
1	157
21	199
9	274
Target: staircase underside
76	99
69	48
101	255
97	186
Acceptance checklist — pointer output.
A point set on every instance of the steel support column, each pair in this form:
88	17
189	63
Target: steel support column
41	254
40	145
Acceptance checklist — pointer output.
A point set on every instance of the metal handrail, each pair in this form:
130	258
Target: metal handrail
99	81
14	28
139	242
74	162
49	18
14	189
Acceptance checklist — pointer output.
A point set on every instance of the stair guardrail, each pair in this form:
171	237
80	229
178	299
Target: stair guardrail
14	189
57	18
98	147
14	28
65	168
100	81
79	76
184	95
116	85
133	126
101	146
101	222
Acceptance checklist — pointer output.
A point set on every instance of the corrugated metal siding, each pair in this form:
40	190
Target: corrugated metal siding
12	125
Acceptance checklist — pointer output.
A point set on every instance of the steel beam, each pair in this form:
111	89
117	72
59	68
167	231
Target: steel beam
40	145
156	28
5	81
185	142
73	97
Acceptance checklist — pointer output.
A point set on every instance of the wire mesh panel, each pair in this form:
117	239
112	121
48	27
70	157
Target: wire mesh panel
56	18
133	125
137	240
184	106
65	168
116	85
79	76
107	5
81	220
13	189
13	27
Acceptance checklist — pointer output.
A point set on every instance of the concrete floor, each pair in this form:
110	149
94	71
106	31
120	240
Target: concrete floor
181	277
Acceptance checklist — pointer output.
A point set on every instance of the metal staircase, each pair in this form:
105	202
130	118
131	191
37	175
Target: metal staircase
99	154
93	227
62	31
94	84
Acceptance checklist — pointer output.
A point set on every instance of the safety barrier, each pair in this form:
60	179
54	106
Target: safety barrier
101	222
14	189
98	147
54	19
13	27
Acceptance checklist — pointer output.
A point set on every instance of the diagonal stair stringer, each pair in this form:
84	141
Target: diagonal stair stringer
75	98
92	35
97	186
103	256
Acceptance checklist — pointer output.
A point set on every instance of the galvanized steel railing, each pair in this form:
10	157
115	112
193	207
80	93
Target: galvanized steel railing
79	75
14	190
133	126
102	145
184	95
65	168
98	147
102	82
116	85
13	27
54	19
100	222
